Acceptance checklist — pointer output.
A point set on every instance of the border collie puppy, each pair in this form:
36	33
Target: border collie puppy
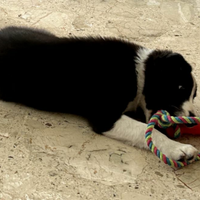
102	79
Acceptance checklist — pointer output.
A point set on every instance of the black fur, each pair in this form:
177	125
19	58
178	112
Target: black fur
92	77
165	72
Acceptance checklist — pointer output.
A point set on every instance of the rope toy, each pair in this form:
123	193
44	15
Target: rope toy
163	120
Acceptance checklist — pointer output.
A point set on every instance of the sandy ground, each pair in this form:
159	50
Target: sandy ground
56	156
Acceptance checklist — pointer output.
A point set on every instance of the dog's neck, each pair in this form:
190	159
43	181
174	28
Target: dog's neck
139	101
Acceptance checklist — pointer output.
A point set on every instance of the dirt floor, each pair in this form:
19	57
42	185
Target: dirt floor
57	156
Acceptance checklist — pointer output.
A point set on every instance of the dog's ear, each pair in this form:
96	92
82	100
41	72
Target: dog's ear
178	62
168	62
174	55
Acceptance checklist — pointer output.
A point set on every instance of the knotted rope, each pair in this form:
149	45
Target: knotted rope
163	120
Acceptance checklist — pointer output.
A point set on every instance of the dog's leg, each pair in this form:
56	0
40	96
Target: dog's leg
133	132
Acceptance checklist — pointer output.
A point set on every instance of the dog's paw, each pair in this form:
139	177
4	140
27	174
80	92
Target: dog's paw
183	152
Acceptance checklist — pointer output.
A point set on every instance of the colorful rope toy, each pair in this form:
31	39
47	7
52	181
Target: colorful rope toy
172	124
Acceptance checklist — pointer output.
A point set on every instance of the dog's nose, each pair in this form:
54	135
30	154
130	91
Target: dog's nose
191	114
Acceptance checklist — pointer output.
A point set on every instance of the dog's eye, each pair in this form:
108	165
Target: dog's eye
180	87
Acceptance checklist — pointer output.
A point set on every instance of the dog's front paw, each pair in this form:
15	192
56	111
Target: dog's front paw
184	152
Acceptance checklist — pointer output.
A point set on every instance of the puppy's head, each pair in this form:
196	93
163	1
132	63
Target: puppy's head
169	84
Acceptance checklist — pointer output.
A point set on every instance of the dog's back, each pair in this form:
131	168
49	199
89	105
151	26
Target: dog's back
66	74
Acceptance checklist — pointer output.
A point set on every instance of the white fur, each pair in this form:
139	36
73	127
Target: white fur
142	54
133	132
